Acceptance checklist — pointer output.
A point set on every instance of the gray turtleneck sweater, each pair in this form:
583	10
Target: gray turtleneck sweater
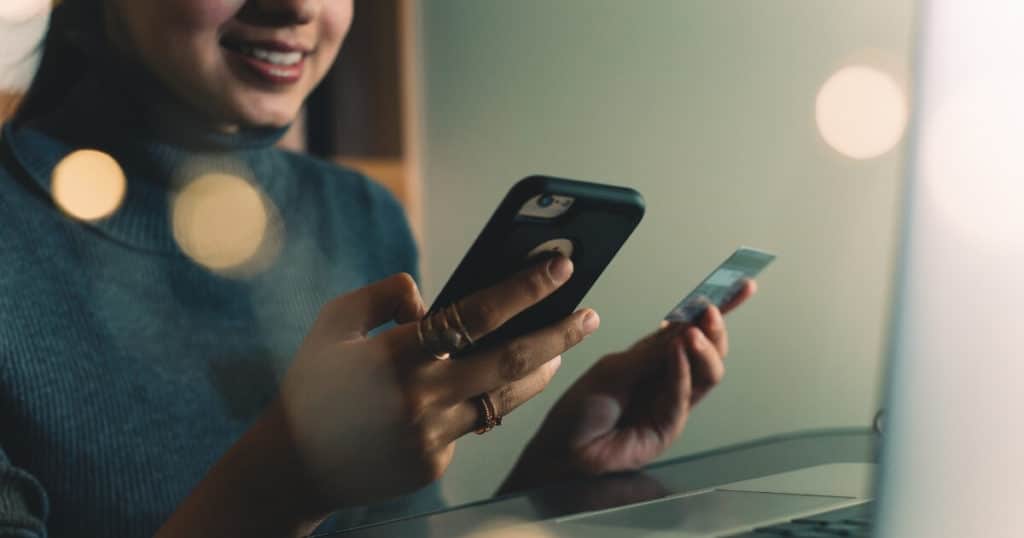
127	369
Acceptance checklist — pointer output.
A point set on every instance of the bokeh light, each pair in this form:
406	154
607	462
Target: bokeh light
861	112
88	185
225	223
22	10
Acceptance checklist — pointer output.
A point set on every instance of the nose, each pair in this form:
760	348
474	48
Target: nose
280	12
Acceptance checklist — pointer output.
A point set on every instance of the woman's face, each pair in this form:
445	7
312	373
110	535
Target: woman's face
239	62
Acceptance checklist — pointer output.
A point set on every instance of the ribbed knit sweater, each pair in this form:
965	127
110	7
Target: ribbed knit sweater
126	368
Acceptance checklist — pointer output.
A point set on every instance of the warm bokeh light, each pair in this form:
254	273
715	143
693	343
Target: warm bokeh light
225	223
22	10
861	112
88	185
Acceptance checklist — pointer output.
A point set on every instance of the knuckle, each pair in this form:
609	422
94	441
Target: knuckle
573	335
484	315
536	284
506	400
515	361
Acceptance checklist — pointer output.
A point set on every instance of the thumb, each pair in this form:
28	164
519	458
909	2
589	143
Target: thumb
354	314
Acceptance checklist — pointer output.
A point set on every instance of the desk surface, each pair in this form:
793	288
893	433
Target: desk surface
690	473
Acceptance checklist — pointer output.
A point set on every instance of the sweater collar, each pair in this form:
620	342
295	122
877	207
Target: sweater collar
158	145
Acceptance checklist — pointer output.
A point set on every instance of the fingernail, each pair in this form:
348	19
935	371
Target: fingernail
591	322
560	269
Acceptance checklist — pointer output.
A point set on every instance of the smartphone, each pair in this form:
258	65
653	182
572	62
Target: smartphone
722	285
540	217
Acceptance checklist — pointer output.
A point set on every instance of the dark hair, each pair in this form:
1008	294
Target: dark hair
72	41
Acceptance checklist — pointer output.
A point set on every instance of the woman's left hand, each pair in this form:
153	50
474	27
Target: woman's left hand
630	406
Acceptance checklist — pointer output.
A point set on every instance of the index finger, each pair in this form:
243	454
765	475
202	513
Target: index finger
489	309
748	290
353	315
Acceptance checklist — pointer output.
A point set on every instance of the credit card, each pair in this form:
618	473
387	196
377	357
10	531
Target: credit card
722	285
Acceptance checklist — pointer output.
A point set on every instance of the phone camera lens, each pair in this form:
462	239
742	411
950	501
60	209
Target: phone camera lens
545	200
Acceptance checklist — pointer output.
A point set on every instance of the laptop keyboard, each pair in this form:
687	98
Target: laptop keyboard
852	521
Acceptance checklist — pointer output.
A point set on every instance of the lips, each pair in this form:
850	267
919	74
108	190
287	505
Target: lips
270	62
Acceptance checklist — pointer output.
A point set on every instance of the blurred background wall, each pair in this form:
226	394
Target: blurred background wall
711	110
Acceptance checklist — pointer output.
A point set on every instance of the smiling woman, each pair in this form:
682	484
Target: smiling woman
143	353
204	335
226	60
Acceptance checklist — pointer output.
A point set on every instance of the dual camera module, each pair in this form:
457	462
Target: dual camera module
548	206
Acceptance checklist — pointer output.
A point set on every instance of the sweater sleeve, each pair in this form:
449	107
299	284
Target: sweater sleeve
23	502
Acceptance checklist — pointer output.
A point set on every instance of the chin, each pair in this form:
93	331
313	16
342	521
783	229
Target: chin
265	112
269	119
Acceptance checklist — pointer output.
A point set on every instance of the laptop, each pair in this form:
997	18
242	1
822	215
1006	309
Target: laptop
953	440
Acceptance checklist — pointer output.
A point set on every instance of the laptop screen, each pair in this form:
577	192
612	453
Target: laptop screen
952	464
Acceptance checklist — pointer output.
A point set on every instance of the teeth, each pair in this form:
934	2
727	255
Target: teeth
273	56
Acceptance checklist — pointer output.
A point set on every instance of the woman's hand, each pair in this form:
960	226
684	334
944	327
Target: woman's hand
360	419
373	418
630	406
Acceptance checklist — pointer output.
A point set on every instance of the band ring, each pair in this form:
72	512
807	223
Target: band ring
428	338
443	332
457	324
489	417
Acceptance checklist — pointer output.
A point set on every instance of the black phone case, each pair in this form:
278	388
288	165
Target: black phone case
598	223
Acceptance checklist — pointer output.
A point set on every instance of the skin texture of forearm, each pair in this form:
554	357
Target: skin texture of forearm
256	490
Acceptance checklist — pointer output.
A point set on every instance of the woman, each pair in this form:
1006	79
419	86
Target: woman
143	394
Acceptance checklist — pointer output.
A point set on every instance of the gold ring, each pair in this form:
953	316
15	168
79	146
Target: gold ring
442	333
490	417
429	339
456	337
458	325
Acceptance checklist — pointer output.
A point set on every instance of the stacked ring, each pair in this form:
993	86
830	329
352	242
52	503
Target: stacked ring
489	415
443	333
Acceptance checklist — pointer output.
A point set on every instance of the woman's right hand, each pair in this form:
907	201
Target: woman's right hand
372	418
